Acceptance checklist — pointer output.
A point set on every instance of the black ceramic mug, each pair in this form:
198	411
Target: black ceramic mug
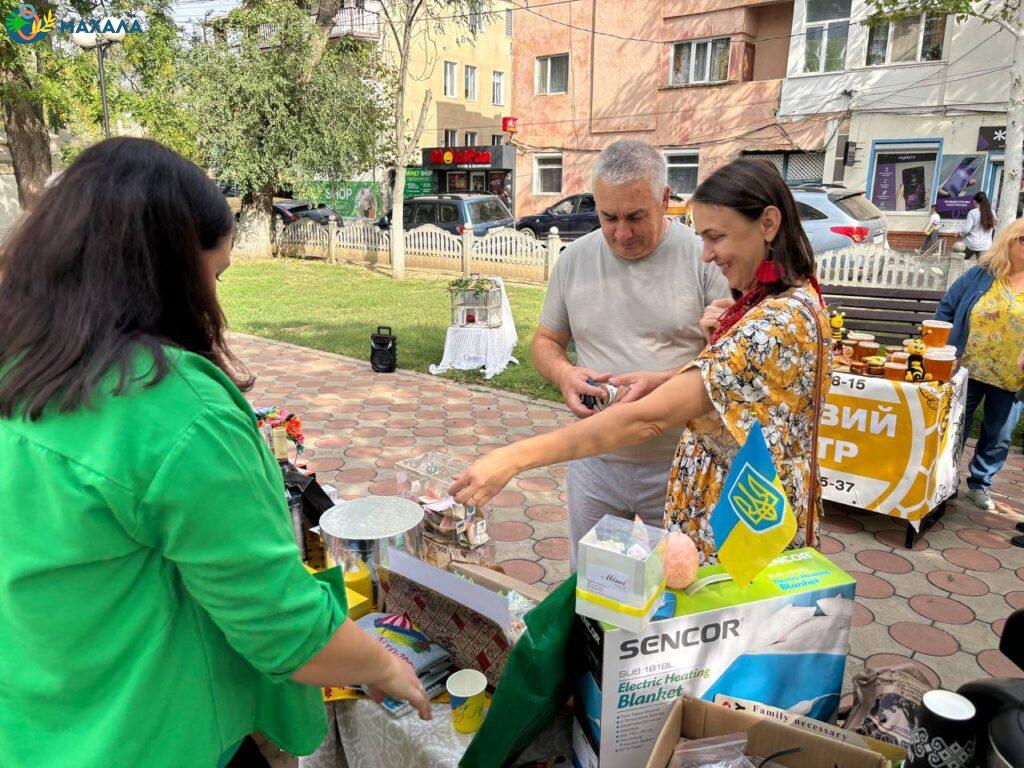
943	733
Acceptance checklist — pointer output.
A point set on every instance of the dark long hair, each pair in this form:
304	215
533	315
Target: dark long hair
988	219
748	186
110	260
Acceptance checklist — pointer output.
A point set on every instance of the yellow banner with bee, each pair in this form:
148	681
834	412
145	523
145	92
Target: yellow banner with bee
889	446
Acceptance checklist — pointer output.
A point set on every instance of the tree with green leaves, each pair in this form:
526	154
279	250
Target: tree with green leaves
52	85
409	22
277	102
1009	15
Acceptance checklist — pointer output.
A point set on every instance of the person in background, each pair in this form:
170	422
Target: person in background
631	297
986	307
768	360
153	607
978	227
931	231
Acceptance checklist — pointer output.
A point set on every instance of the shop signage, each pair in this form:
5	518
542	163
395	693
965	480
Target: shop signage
461	158
991	137
508	124
418	181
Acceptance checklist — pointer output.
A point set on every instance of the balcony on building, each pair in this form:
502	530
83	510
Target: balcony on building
353	19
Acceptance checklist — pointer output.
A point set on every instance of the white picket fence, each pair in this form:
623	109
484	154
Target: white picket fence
516	256
870	265
504	252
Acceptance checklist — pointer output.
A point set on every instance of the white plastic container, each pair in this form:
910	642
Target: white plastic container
621	573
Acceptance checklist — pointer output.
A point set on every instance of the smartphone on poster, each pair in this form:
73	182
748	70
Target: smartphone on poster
961	178
913	188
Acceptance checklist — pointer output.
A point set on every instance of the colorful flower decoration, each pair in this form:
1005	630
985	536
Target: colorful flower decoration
277	416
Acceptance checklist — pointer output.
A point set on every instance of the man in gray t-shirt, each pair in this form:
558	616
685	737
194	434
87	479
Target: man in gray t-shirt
631	297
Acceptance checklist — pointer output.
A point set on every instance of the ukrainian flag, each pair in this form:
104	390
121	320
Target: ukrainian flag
753	522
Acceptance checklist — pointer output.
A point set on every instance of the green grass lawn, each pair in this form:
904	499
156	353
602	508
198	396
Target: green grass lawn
336	307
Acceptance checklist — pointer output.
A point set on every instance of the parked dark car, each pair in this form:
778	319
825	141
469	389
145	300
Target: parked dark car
574	216
453	213
290	211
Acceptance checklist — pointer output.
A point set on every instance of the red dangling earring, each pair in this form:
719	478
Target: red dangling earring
766	273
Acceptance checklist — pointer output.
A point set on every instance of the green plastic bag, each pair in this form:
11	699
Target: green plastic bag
537	682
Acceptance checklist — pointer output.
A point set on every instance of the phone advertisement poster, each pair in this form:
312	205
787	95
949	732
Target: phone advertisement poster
960	178
903	181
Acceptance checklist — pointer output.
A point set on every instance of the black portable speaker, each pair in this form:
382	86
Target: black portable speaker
383	353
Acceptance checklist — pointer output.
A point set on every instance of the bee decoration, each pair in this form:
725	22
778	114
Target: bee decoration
915	363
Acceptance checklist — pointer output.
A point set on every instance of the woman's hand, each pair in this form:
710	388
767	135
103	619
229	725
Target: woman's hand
482	481
400	682
640	383
712	313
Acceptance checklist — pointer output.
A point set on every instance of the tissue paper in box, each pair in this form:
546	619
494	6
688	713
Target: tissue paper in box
621	573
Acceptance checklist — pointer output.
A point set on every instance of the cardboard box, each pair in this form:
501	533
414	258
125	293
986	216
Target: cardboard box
696	719
782	641
889	751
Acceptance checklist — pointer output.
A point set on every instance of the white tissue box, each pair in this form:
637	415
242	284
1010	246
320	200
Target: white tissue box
782	641
620	572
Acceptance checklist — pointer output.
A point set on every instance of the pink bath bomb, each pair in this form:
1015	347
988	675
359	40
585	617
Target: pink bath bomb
680	560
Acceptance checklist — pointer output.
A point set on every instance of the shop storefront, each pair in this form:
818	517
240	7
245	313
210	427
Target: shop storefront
484	170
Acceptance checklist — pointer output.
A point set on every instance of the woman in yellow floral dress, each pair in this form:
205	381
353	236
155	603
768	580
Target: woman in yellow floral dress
986	307
766	361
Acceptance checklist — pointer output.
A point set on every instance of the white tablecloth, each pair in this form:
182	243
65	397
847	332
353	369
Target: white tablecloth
470	348
373	739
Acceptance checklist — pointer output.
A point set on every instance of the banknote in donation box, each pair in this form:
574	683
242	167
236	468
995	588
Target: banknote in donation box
782	641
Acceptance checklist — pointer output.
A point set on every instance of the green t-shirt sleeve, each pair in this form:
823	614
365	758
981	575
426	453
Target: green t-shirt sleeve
216	510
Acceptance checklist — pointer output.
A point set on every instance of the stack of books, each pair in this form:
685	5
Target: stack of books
399	636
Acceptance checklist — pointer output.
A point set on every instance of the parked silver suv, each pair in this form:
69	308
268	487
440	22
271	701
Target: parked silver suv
835	217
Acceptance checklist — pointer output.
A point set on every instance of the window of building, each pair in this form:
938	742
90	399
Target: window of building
825	35
682	172
547	174
478	21
470	138
700	61
451	79
914	38
508	22
498	89
552	74
451	137
796	167
902	176
497	139
470	83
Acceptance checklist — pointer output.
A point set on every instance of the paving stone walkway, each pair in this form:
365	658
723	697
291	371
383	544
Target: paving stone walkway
941	606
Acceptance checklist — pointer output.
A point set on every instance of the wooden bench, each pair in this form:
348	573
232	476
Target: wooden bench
892	315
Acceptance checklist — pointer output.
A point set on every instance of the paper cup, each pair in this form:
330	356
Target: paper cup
466	691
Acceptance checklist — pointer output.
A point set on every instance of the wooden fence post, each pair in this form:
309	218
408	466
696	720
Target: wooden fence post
554	246
332	230
467	251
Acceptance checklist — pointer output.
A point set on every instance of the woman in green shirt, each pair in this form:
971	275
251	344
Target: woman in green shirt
153	608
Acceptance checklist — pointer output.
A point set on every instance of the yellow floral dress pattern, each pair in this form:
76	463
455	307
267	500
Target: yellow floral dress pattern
996	337
763	369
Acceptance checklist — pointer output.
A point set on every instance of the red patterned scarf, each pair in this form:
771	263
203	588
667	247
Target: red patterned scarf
753	297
